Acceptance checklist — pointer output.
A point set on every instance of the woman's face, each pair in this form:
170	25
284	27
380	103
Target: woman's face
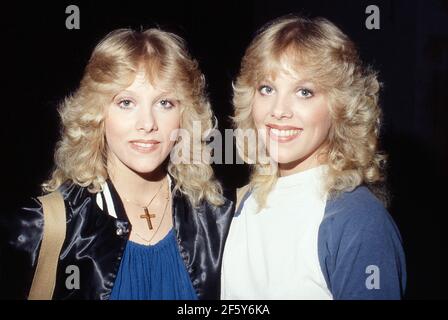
293	118
138	126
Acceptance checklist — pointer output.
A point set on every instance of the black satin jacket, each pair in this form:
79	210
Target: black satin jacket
95	243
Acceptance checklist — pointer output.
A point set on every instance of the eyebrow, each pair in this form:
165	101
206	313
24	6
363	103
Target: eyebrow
304	83
159	95
301	82
124	92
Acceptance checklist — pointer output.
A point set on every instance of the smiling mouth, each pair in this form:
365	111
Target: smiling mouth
144	146
283	135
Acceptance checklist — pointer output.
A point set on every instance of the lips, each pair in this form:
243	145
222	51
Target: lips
283	133
144	146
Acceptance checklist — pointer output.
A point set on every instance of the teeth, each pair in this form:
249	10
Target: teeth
143	145
284	133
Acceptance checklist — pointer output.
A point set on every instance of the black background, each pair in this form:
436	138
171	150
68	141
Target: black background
42	62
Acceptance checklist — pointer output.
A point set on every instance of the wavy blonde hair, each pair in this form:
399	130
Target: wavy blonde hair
329	58
81	152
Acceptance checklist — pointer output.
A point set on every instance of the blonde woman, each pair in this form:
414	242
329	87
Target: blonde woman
138	224
309	225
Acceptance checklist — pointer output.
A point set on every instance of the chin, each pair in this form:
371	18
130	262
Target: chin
143	169
286	160
290	159
283	156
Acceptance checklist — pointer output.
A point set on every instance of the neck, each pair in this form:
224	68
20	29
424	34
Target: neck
135	186
312	161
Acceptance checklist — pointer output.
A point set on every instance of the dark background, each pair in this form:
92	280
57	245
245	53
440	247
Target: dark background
42	62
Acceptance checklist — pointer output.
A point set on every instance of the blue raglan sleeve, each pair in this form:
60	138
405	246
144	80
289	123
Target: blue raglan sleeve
360	249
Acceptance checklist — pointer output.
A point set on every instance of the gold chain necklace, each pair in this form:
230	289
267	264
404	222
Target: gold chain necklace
146	215
158	227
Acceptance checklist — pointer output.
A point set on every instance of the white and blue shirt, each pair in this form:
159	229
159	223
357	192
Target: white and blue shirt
303	245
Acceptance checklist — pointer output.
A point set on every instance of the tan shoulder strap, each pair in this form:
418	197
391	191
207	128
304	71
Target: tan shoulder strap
240	193
53	237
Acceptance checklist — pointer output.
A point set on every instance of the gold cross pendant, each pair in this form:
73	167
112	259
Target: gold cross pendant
148	217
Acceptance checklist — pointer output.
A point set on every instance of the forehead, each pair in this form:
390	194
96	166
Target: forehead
283	71
142	81
273	62
299	68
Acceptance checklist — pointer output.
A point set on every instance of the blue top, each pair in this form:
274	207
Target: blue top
153	272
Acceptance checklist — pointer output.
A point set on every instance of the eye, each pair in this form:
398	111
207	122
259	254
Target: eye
166	104
265	90
305	93
125	103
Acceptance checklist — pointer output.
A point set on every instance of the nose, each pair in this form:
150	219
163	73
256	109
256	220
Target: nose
281	109
145	121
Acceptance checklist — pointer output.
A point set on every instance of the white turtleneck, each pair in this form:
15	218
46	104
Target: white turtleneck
273	254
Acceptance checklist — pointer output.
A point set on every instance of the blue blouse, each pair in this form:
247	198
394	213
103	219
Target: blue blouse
153	272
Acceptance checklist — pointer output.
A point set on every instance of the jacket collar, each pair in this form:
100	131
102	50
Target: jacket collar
112	203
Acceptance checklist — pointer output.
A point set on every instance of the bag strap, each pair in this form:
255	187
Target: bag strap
54	229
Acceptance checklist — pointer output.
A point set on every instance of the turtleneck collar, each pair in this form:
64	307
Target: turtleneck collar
306	177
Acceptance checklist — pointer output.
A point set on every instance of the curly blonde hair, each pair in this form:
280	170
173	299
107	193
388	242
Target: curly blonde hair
81	152
329	58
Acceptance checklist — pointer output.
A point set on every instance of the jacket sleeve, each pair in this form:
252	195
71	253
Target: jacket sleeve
21	235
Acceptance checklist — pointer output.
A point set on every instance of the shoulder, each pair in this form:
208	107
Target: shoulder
360	197
357	232
219	212
73	193
357	221
357	217
358	208
240	192
241	196
22	223
30	217
205	211
21	232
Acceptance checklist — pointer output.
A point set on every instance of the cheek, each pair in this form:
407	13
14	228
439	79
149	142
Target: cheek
168	124
318	119
111	129
259	113
114	127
